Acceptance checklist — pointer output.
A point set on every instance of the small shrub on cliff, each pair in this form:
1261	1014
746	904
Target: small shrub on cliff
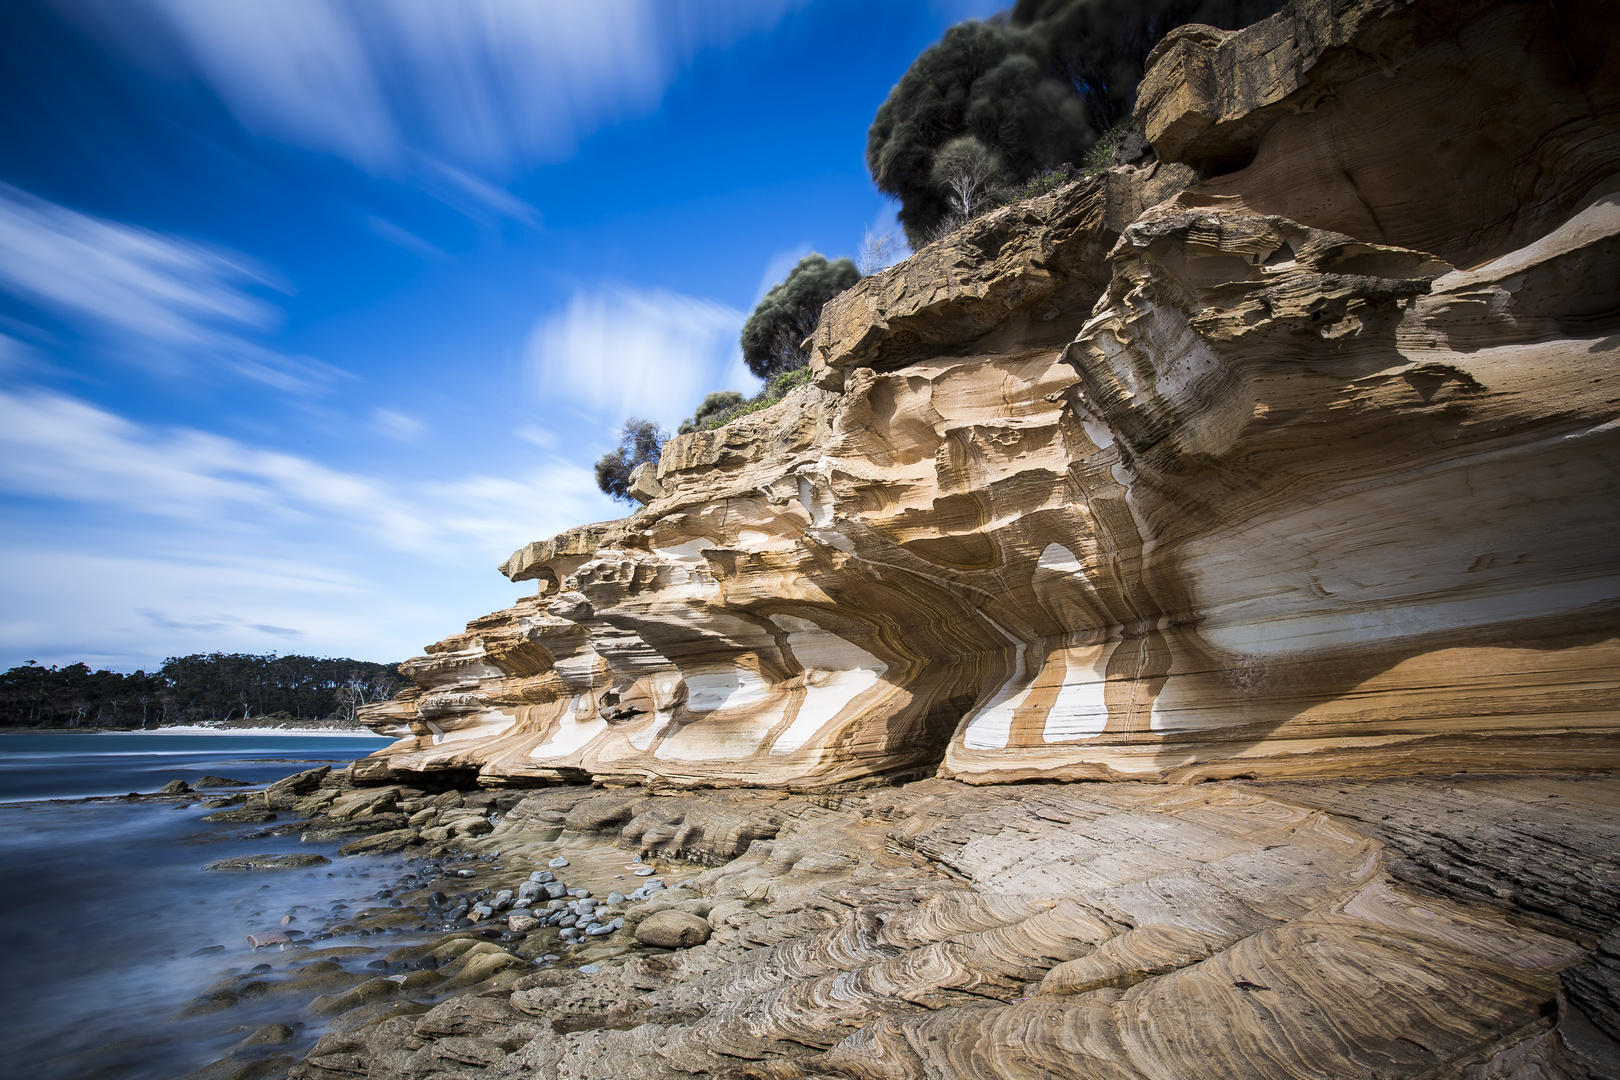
790	312
719	402
1036	87
640	441
776	388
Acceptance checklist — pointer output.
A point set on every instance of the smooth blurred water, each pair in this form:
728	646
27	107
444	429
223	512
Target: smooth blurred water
103	902
48	766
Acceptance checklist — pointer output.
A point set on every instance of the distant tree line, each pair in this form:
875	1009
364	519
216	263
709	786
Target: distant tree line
202	687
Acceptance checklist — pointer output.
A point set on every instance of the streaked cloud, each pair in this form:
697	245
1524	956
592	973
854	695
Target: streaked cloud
615	353
396	425
412	243
159	298
485	86
126	542
59	447
161	288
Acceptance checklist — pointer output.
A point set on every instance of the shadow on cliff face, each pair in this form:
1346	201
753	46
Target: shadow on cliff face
1464	128
1407	707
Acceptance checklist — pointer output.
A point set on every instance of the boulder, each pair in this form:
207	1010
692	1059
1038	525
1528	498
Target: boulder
293	861
219	781
672	929
299	783
381	843
243	816
365	802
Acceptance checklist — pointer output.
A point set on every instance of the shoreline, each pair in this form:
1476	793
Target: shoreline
359	733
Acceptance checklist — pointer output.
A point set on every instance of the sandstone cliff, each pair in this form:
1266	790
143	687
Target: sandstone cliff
1291	450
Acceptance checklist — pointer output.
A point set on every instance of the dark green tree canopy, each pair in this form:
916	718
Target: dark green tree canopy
1037	88
640	442
790	311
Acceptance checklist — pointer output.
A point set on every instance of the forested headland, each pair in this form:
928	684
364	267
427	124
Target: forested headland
200	688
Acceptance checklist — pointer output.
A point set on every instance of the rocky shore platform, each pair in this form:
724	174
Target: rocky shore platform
1429	926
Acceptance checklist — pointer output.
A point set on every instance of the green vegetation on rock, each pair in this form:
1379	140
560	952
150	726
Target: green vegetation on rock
640	442
790	311
1028	92
721	401
776	388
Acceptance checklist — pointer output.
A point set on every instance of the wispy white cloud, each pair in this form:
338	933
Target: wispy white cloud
17	355
125	541
59	447
167	290
622	352
157	297
484	86
396	425
412	243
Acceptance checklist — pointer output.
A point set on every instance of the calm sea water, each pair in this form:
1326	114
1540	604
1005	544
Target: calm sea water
77	766
105	903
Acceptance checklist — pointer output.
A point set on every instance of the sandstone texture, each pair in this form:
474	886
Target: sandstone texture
1290	451
1392	928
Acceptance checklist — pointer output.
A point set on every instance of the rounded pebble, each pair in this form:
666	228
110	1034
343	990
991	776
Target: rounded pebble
557	862
589	969
645	871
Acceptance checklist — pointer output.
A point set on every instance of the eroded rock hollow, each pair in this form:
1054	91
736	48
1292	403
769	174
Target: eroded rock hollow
1290	448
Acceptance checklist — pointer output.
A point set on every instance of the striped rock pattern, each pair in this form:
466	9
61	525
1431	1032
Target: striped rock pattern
1129	931
1290	453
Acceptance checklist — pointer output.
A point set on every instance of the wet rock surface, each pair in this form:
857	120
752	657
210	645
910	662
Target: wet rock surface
268	862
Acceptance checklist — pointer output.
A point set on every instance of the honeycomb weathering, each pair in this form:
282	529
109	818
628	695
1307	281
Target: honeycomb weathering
1292	452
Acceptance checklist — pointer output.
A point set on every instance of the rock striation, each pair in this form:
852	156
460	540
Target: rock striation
1033	931
1289	451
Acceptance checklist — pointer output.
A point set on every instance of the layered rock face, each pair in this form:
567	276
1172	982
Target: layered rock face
1292	451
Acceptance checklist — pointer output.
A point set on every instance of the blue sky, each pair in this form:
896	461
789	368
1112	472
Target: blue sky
312	311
